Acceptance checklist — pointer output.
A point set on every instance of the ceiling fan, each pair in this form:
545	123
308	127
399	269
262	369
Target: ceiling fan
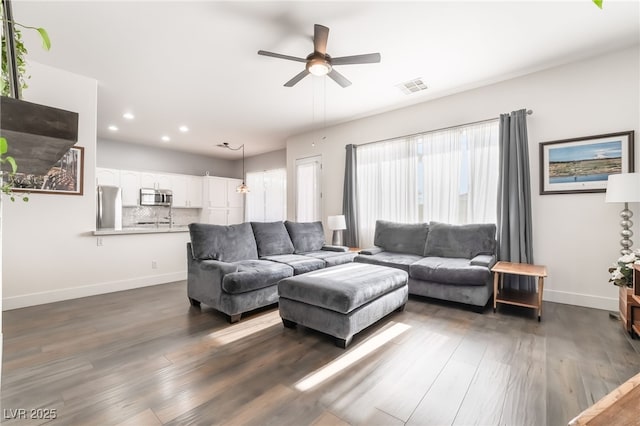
320	63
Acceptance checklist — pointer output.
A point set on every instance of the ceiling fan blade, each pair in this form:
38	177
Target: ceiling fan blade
278	55
320	37
296	79
339	78
368	58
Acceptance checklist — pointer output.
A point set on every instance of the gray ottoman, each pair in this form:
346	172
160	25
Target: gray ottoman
342	300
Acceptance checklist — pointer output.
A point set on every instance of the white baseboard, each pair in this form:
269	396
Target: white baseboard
41	298
586	300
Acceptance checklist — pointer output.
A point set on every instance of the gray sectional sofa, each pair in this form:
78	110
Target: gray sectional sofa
236	269
448	262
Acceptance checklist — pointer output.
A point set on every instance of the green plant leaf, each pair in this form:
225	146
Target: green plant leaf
25	199
46	42
598	3
12	161
4	146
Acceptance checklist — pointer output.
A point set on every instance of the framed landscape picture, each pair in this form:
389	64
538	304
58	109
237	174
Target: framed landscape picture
65	177
584	164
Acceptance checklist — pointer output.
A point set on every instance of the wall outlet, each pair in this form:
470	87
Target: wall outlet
99	241
154	264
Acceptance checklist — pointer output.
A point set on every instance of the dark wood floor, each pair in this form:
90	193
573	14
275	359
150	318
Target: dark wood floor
145	357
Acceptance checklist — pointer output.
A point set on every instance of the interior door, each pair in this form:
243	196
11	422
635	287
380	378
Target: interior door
307	190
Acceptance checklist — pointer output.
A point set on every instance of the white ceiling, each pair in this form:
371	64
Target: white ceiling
195	63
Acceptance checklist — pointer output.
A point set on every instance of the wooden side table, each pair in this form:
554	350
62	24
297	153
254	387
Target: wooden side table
634	320
528	299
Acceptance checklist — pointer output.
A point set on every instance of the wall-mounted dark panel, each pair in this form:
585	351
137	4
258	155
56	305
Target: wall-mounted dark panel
38	135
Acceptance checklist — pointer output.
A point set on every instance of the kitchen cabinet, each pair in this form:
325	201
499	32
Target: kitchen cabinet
224	216
216	192
109	177
216	216
187	191
224	205
235	215
155	180
194	191
179	188
130	186
234	198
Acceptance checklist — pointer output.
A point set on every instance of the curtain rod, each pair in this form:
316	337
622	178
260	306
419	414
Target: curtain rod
529	112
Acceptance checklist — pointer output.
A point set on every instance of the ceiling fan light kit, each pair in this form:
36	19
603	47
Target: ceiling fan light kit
318	66
320	63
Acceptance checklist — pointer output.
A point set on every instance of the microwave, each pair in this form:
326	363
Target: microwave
155	197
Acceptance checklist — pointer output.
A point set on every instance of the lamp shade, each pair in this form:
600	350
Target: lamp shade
337	222
623	188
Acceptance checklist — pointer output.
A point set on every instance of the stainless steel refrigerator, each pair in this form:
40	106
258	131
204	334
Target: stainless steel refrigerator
109	212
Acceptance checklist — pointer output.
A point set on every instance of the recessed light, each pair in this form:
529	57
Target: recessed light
184	129
113	128
128	116
166	138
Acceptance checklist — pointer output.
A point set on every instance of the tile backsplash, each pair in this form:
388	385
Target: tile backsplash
135	216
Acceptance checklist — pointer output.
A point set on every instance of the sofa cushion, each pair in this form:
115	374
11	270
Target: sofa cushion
333	258
393	260
449	271
254	275
401	237
300	264
271	238
342	288
306	236
224	243
464	241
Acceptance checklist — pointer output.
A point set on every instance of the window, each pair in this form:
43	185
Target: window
267	198
308	193
447	176
460	174
386	173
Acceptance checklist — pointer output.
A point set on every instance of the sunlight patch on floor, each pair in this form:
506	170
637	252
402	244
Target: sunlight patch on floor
244	328
351	357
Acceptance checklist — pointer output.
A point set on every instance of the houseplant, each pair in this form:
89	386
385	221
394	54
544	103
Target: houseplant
38	135
621	275
622	270
6	185
20	53
19	67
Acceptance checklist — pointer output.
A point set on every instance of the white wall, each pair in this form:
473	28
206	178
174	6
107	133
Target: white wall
48	251
576	236
129	156
267	161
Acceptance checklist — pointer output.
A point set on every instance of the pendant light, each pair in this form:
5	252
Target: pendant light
242	188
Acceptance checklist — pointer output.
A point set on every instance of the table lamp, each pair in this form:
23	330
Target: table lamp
624	188
337	224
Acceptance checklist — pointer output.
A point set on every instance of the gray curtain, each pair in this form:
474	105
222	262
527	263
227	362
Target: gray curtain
515	238
349	198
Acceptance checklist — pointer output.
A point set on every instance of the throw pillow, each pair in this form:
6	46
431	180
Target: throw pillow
306	236
462	241
224	243
407	238
271	238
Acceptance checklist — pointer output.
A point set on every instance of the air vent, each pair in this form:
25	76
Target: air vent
412	86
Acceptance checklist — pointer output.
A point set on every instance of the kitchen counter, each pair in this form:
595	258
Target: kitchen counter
142	230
